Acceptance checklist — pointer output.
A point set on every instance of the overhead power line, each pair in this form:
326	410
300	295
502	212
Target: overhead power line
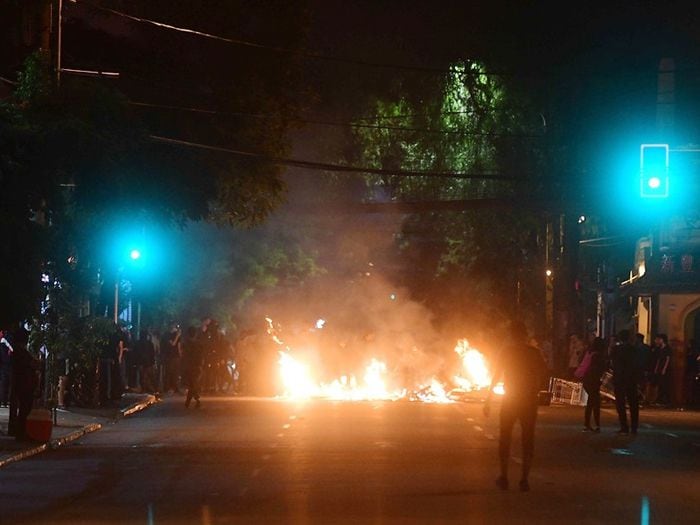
276	49
340	168
411	207
205	111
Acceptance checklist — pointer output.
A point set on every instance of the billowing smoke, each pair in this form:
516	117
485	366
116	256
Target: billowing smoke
364	318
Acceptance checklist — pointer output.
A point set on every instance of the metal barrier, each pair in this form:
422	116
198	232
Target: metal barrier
567	392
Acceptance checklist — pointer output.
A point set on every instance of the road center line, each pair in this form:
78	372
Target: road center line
478	428
286	426
671	434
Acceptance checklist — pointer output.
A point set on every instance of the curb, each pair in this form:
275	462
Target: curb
53	444
137	407
77	434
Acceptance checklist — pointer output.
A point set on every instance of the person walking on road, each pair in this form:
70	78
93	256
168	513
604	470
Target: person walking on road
597	364
626	372
521	366
192	365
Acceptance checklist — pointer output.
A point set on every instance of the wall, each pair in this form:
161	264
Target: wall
673	312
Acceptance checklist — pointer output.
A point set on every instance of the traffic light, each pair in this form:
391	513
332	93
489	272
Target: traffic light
653	167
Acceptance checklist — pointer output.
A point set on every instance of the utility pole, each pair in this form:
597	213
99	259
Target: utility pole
59	40
56	38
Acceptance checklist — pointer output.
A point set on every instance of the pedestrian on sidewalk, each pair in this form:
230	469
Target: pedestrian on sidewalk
24	381
591	379
5	369
521	368
192	365
626	375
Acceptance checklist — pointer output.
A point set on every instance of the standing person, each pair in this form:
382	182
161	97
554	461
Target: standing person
5	369
661	374
522	368
25	379
643	358
170	354
651	387
626	373
154	336
690	374
123	358
591	382
192	365
204	339
146	359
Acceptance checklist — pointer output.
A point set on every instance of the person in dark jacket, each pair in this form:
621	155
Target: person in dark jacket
25	379
192	359
521	367
626	372
662	370
591	383
146	357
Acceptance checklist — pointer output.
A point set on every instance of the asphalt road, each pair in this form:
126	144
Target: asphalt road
268	461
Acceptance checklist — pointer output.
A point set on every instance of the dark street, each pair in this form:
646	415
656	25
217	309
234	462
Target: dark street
271	461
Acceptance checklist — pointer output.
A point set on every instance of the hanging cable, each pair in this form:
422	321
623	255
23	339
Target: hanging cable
297	163
333	123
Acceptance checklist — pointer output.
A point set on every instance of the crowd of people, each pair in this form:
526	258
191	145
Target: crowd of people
638	374
200	359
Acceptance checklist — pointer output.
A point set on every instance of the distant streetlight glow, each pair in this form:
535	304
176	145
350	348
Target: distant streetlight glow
548	273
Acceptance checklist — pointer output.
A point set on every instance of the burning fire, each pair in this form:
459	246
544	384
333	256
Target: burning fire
299	382
473	367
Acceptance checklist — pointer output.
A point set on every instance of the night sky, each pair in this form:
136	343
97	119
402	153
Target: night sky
590	70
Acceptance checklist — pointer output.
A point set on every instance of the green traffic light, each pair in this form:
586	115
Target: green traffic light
654	170
135	254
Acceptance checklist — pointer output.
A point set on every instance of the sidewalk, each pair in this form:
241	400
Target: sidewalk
72	424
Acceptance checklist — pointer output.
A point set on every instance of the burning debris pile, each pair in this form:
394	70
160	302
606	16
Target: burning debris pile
378	381
374	343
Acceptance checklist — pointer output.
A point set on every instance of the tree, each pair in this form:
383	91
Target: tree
469	122
79	166
236	269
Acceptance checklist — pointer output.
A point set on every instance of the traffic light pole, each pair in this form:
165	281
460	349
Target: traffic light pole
116	301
